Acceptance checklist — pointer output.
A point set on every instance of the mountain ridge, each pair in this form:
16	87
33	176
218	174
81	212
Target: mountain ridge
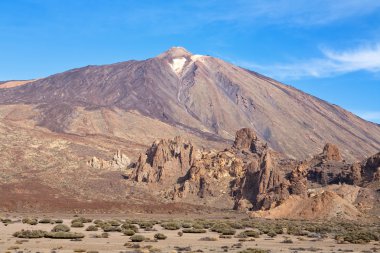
235	98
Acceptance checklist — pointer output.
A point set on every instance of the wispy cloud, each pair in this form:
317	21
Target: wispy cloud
331	63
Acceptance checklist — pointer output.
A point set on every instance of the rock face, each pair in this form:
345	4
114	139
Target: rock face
168	92
249	175
165	161
370	169
119	162
331	153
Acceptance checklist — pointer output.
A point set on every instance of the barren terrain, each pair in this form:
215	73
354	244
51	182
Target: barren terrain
288	241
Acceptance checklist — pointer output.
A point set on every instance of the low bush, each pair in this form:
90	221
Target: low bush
223	229
358	237
210	239
64	235
109	228
137	238
147	225
160	236
129	232
187	225
252	233
171	225
272	234
92	228
193	230
77	224
60	228
30	221
30	234
46	221
128	226
81	220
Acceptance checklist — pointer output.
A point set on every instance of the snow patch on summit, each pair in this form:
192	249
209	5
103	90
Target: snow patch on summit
178	64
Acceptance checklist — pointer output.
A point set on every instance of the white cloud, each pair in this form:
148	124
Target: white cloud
332	63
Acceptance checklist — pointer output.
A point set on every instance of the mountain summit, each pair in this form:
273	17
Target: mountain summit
181	93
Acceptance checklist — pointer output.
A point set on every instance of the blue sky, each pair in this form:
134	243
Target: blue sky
330	49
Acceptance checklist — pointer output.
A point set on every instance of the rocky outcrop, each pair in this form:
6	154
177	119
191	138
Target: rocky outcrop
247	176
165	161
246	140
370	169
331	153
119	162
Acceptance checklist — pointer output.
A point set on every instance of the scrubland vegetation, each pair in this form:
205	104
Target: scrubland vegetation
232	235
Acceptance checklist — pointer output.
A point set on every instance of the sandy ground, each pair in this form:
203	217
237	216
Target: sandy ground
116	241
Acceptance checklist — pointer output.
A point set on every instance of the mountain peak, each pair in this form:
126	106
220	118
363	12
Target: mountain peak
175	52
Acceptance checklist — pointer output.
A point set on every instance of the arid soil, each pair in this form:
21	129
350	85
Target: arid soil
188	242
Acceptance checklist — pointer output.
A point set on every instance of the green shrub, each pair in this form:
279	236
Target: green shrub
129	232
187	225
77	224
30	234
210	239
223	228
160	236
193	230
272	234
358	237
137	238
228	231
64	235
109	228
96	222
199	226
30	221
241	235
252	233
114	223
81	220
58	221
171	225
46	220
92	228
60	228
147	225
128	226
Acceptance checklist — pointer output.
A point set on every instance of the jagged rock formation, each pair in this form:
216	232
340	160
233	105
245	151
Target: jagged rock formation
165	161
250	175
119	161
51	123
331	153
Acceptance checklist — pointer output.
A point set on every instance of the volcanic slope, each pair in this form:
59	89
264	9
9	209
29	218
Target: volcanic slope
178	92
